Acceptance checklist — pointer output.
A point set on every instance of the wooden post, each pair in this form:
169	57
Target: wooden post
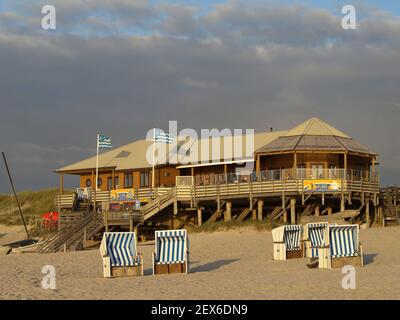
228	212
367	213
254	214
105	220
260	209
61	183
317	211
342	204
131	223
329	211
199	217
295	165
258	163
293	211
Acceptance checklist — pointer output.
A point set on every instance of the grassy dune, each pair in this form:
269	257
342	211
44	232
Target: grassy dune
33	203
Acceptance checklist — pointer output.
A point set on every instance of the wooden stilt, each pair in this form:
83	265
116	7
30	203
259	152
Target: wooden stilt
317	211
228	212
260	209
367	213
293	211
199	217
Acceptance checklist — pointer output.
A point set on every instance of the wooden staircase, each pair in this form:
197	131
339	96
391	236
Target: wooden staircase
389	198
79	231
157	205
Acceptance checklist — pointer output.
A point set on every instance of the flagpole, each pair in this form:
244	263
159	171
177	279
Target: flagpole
97	162
152	175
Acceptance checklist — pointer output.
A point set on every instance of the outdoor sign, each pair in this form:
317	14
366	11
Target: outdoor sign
322	185
123	195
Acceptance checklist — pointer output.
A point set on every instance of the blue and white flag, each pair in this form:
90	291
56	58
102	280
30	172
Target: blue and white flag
160	136
104	142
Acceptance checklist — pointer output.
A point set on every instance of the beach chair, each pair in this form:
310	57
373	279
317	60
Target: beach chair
287	242
120	256
314	238
171	252
343	247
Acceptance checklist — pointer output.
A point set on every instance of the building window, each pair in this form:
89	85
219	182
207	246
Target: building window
144	179
332	172
116	182
167	174
109	183
128	180
301	171
88	183
99	182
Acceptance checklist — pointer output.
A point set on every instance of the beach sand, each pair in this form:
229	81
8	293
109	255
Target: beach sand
234	264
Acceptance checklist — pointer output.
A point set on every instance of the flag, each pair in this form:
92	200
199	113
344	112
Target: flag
160	136
104	142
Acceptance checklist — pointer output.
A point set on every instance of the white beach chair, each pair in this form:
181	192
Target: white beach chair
120	256
314	237
171	252
287	242
343	247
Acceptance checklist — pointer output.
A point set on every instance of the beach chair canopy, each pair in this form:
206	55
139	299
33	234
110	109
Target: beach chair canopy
343	240
171	246
292	237
121	247
316	233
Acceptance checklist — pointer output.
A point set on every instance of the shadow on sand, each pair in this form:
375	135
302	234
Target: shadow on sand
369	258
213	265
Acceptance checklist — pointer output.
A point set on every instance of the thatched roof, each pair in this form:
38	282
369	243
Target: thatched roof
314	135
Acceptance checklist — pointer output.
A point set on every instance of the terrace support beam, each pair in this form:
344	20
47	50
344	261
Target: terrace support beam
260	209
254	214
293	211
317	211
61	183
228	212
258	164
367	213
342	204
199	217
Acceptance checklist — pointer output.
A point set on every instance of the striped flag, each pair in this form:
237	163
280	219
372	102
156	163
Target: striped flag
104	142
160	136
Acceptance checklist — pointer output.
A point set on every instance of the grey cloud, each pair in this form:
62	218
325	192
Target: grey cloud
235	67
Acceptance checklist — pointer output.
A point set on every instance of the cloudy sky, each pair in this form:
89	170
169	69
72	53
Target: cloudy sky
124	66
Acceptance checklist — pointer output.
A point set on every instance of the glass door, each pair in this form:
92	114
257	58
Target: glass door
317	171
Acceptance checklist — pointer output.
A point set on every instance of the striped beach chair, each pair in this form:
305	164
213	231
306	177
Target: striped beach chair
171	252
314	238
120	256
343	247
287	242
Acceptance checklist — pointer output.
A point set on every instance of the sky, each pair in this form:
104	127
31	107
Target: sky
122	67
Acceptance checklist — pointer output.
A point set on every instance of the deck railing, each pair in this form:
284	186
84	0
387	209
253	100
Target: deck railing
277	181
280	174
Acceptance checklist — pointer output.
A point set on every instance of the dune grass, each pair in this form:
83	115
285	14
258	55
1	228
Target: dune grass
264	225
33	203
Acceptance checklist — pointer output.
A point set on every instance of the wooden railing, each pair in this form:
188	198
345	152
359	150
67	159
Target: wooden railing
277	182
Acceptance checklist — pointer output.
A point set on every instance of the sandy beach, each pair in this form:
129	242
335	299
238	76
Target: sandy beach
224	265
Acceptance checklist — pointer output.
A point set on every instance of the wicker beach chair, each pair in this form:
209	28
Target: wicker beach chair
314	238
287	242
171	252
120	256
343	247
